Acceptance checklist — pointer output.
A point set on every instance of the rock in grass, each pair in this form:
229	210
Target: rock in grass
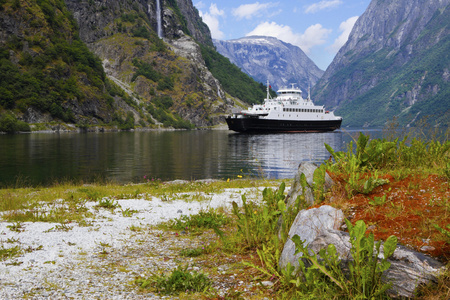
408	270
296	190
308	225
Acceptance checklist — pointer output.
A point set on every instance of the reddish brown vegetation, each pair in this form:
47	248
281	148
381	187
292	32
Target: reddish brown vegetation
414	205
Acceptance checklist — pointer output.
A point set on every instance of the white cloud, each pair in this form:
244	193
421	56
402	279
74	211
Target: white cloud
247	11
313	35
345	27
211	19
313	8
200	5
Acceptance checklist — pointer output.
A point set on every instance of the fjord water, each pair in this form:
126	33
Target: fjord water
123	157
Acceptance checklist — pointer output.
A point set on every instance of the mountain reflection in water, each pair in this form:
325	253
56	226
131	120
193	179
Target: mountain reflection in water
123	157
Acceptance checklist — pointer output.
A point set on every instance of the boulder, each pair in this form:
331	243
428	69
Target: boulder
309	224
408	270
296	190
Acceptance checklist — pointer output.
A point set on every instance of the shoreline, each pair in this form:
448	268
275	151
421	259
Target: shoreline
100	257
72	128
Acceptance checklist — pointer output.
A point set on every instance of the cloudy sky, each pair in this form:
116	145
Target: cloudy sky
318	27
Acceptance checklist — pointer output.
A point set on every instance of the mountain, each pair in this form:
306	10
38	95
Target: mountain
395	64
267	58
46	71
93	62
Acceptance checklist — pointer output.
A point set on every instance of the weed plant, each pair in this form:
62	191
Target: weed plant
210	219
263	227
360	168
364	281
8	253
191	252
17	227
108	203
129	212
180	280
257	223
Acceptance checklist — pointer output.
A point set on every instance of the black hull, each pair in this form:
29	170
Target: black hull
256	125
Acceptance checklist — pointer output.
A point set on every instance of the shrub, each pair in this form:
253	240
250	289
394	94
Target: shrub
9	124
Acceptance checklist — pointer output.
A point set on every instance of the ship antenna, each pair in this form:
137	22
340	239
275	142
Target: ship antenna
268	87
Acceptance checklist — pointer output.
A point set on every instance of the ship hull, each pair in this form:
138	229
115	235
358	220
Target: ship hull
257	125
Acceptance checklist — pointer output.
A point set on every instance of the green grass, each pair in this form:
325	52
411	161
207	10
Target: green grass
180	280
210	219
8	253
64	202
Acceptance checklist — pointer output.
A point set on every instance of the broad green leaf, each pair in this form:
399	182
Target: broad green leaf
389	246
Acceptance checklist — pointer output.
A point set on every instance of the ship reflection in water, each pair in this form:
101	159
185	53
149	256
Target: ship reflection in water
278	155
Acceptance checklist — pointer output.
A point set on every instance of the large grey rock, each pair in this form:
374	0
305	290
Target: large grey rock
340	239
408	270
296	190
308	225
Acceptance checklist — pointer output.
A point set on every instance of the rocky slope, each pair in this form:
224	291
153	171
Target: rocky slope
395	63
123	35
267	58
46	72
135	77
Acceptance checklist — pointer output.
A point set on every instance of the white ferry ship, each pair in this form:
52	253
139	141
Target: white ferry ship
288	112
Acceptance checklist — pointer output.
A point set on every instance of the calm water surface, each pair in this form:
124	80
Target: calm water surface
43	158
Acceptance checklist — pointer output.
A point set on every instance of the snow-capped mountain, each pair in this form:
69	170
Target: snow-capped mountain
267	58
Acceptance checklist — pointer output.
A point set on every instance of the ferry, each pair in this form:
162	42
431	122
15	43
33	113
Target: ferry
288	112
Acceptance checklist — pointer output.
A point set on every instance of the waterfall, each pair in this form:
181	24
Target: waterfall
158	19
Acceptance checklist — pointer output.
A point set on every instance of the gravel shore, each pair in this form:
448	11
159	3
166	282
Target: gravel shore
101	260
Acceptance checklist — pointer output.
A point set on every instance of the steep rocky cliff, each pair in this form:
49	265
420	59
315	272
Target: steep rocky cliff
177	85
46	72
267	58
395	63
135	76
